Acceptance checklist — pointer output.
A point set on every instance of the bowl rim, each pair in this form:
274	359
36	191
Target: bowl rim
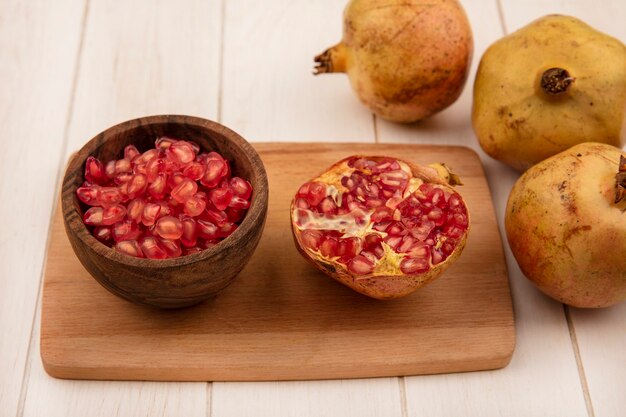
256	212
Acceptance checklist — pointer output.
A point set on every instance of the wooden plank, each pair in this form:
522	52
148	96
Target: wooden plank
336	398
543	342
36	82
269	92
285	320
600	335
139	59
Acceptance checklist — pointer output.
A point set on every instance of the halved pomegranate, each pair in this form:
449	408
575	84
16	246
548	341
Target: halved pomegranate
382	226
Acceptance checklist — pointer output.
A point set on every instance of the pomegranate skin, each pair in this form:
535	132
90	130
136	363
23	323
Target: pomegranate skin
566	231
395	284
406	60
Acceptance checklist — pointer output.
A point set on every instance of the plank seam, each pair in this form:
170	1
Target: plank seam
375	122
209	399
220	77
501	14
403	402
579	363
27	367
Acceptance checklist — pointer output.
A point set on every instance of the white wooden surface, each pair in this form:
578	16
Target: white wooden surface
71	68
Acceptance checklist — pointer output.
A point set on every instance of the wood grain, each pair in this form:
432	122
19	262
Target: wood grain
33	113
139	58
269	91
281	319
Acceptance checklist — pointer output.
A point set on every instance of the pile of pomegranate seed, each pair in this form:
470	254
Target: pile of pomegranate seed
379	214
166	202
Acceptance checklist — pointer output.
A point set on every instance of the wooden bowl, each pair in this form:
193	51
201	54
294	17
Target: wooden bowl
174	282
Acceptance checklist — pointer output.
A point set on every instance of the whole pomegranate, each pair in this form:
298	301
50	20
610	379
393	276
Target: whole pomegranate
406	59
552	84
566	225
380	225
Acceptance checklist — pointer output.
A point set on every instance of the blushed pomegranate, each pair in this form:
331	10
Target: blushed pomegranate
565	222
380	225
166	202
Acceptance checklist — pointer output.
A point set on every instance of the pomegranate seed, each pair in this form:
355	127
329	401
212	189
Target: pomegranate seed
123	178
414	265
190	235
157	187
437	257
311	238
130	248
418	250
103	234
108	196
328	248
181	152
360	265
125	230
171	247
453	231
226	230
130	152
372	240
206	229
235	215
175	179
137	186
239	203
150	213
195	170
135	209
382	213
94	171
221	197
241	188
164	142
303	191
301	203
122	166
151	248
191	251
109	169
146	157
317	192
88	194
194	206
394	180
215	170
113	214
393	241
437	215
215	217
154	168
169	227
327	205
184	190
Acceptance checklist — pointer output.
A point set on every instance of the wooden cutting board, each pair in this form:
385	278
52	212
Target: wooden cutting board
283	320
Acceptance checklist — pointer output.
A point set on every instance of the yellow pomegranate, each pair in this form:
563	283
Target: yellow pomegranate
406	59
566	225
552	84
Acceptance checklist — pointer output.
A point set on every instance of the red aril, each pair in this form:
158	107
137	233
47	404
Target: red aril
166	202
382	226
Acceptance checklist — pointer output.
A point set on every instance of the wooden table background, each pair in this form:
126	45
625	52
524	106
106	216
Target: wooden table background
70	68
